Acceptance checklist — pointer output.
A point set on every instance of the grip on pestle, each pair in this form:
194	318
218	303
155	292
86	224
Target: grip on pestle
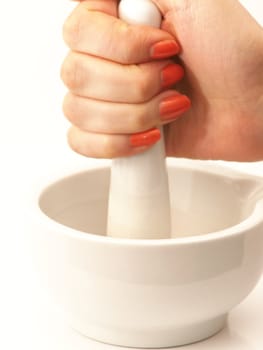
139	205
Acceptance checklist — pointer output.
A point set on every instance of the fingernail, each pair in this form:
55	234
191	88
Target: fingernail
164	49
173	106
171	74
146	138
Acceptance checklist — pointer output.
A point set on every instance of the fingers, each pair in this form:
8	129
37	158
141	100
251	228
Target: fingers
108	130
117	76
111	146
122	118
94	28
96	78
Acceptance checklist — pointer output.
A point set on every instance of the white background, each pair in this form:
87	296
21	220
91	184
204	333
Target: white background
32	149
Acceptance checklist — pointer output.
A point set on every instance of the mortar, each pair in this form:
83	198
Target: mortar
152	293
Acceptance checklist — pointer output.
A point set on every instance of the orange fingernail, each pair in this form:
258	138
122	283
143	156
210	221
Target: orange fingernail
173	106
171	74
164	49
145	138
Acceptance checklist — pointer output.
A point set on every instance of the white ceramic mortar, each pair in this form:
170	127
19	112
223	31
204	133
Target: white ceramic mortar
152	293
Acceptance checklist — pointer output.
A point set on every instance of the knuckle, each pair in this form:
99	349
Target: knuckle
124	31
144	88
72	30
143	121
72	140
78	143
104	147
68	107
70	72
108	147
132	43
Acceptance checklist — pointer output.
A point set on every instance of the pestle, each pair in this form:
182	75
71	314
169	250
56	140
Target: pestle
139	205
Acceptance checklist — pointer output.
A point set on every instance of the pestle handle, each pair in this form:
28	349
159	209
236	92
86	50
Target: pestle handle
139	205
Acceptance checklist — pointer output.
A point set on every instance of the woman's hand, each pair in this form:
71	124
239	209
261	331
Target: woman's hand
120	79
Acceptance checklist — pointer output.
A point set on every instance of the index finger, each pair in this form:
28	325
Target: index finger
108	6
93	28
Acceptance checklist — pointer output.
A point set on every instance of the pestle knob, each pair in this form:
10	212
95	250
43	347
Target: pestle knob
140	12
139	205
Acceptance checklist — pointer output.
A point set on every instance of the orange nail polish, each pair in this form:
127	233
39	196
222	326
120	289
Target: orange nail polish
164	49
145	138
173	106
171	74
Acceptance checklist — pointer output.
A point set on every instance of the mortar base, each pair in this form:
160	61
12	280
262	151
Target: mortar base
153	338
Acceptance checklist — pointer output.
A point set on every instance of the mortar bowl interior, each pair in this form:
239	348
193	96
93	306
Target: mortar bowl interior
152	293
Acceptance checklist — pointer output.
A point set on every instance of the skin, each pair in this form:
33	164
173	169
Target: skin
115	85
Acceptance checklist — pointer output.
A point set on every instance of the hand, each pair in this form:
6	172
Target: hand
118	77
223	59
117	86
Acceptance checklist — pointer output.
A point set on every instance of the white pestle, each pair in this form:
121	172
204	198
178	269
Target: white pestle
139	205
